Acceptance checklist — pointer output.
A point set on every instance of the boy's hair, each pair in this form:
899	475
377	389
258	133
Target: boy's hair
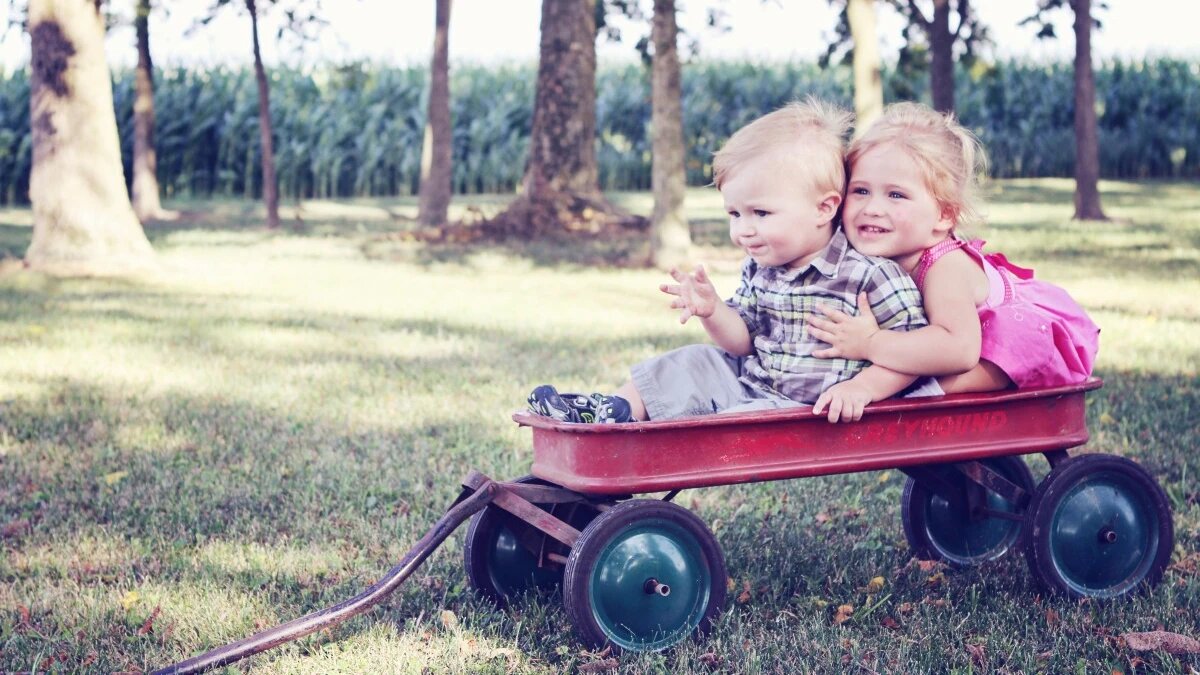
812	134
951	158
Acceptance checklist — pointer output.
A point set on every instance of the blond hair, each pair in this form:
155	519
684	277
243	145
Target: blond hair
951	158
812	134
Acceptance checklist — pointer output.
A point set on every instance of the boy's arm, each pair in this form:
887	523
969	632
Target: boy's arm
949	345
696	296
846	400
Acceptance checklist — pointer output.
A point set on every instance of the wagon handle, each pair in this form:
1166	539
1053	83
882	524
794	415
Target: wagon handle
481	492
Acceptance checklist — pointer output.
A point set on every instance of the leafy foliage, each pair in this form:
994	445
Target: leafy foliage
357	130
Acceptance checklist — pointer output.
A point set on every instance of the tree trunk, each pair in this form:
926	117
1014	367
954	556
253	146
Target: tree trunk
941	57
270	188
670	239
868	79
1087	150
83	222
145	160
560	192
436	152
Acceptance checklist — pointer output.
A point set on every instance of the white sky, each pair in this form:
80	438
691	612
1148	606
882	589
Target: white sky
491	31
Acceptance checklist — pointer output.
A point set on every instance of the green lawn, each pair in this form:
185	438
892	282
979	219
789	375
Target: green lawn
266	427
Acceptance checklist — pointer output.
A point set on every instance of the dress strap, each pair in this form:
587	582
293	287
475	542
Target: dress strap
932	255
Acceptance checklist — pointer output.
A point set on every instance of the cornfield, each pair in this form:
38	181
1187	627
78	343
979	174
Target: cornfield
357	130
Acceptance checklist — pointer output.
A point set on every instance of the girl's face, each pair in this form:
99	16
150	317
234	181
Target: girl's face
889	212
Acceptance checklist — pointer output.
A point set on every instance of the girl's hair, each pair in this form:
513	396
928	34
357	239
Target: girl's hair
950	156
812	134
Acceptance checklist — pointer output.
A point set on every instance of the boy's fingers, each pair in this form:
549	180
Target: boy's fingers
677	275
835	410
673	289
701	275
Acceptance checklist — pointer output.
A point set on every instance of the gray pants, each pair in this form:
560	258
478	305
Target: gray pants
699	380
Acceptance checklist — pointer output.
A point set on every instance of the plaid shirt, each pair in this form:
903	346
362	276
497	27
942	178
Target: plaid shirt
776	303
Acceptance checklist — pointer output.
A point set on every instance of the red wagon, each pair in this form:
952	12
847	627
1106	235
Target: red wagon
642	574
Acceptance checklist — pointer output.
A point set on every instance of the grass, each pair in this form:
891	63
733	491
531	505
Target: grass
267	426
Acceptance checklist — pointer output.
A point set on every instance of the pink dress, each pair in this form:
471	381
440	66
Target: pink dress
1033	330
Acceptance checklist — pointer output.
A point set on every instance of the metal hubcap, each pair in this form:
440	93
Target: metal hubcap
650	586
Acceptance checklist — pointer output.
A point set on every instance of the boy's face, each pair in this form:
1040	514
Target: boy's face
774	216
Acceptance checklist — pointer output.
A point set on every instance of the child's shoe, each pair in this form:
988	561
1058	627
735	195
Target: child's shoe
610	409
546	401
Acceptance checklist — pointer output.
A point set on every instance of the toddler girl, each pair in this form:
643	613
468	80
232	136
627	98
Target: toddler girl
912	178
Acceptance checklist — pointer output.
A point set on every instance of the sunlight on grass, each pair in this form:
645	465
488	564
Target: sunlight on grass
262	429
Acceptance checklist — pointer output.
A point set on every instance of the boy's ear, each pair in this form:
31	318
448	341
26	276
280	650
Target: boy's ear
829	204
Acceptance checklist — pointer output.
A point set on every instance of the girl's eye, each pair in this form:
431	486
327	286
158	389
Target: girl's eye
858	190
733	214
760	213
896	195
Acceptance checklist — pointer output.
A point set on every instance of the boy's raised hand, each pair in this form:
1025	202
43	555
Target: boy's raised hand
848	336
694	294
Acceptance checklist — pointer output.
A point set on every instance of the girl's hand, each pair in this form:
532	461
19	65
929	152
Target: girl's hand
848	336
694	294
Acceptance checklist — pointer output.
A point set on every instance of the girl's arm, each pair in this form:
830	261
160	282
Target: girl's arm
948	345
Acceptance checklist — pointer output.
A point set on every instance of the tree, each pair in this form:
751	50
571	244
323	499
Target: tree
298	21
934	25
83	220
436	152
144	189
868	75
671	240
1087	144
560	191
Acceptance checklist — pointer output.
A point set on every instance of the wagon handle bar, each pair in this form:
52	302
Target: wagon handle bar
471	500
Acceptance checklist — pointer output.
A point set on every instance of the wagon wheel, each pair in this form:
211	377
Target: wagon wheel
643	576
937	529
498	566
1098	526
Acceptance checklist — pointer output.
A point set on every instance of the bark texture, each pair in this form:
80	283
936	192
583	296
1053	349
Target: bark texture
270	184
83	221
436	152
144	189
560	191
1087	146
941	57
868	78
671	240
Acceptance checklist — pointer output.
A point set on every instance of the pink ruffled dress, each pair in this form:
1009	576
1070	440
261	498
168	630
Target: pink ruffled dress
1033	330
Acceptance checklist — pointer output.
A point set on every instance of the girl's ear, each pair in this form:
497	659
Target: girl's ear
947	220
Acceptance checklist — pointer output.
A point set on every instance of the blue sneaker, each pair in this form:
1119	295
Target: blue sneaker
546	401
610	409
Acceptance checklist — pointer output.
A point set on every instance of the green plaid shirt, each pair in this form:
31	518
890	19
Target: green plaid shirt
776	303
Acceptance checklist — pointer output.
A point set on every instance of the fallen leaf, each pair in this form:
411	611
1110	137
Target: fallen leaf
1171	643
730	583
449	618
883	477
710	659
906	608
148	624
875	585
821	518
927	565
844	612
14	529
890	623
129	600
744	597
23	612
1105	418
1051	617
936	579
114	477
978	655
599	666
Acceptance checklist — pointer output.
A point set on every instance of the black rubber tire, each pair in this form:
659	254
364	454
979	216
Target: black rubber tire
481	539
1120	494
914	514
625	519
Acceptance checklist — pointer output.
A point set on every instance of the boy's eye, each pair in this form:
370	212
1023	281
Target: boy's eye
858	190
733	214
760	213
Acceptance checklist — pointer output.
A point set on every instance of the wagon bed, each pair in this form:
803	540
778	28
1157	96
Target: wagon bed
615	459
